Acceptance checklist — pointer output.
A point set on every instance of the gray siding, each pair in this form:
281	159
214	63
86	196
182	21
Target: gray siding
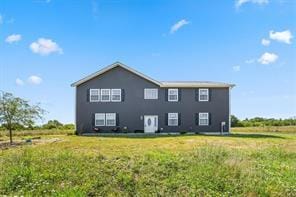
134	105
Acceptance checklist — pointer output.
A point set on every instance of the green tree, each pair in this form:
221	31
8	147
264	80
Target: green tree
16	111
69	126
52	124
235	122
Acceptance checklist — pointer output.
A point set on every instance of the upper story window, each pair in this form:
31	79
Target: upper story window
116	95
173	95
94	95
172	119
203	95
99	119
105	95
110	119
203	119
150	93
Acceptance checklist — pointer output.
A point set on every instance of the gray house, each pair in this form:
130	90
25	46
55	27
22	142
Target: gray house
121	99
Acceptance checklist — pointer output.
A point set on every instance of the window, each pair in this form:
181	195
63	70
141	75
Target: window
99	119
110	119
203	119
173	95
203	95
105	119
94	95
172	119
150	93
116	95
105	95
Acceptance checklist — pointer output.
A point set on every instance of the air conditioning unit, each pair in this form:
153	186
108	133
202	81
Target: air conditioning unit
223	127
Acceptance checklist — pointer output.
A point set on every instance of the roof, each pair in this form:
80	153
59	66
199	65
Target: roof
194	84
116	64
176	84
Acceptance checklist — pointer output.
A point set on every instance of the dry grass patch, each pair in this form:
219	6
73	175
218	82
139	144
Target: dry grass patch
237	165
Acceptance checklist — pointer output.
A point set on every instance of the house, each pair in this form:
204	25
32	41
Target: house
121	99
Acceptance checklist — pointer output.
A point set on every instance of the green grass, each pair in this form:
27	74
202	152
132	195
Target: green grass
271	129
243	164
5	134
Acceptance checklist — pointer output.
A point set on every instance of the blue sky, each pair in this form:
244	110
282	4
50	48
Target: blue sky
45	45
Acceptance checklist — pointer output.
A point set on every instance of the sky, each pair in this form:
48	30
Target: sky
45	45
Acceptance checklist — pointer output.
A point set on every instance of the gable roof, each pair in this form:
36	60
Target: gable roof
116	64
168	84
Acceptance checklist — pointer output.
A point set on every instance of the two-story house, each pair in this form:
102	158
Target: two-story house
121	99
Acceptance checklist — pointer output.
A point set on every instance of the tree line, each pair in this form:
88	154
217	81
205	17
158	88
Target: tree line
261	122
51	124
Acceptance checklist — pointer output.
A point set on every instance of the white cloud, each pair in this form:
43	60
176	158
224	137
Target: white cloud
6	21
35	80
236	68
239	3
268	58
10	21
42	1
284	36
250	61
19	82
45	46
13	38
155	54
178	25
265	42
94	8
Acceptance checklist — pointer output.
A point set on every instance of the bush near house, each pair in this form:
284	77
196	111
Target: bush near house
183	132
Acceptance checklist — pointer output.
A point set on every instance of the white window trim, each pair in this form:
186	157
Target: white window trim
199	118
96	114
172	100
146	97
116	94
105	94
114	114
90	94
173	119
202	89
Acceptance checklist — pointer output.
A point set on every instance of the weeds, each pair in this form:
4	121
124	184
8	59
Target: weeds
167	166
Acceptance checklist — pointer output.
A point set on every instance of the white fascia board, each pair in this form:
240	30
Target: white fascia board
91	76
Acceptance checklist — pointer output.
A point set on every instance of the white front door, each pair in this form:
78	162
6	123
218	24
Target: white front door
150	124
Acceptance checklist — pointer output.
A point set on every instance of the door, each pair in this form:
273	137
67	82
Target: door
150	124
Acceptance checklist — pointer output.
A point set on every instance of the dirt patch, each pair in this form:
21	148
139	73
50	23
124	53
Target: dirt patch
6	145
34	141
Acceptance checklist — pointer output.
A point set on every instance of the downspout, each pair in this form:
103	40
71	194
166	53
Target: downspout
75	110
229	105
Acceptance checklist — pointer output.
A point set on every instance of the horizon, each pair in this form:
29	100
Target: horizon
46	45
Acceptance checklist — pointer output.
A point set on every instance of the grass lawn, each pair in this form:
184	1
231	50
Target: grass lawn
243	164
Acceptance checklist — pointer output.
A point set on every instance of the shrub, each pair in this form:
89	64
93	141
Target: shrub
182	132
138	131
116	129
96	129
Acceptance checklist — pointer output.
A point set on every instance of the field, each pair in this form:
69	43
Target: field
248	163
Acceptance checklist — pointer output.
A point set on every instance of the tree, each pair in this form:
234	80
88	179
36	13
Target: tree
235	122
69	126
52	124
16	111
